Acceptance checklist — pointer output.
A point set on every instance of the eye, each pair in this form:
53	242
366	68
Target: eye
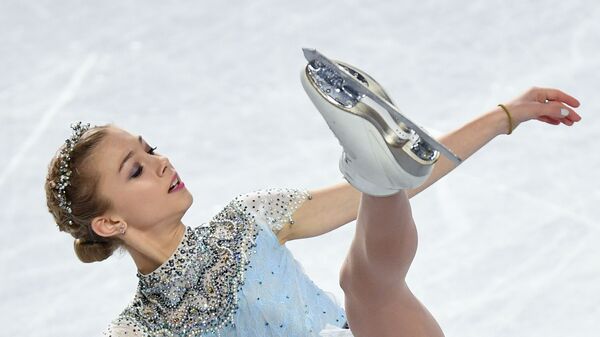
138	172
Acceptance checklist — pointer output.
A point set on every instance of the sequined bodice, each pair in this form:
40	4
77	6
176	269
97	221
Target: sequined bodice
231	277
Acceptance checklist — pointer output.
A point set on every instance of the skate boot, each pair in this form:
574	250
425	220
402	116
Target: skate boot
384	151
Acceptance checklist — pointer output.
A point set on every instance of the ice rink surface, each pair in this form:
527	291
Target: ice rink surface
508	242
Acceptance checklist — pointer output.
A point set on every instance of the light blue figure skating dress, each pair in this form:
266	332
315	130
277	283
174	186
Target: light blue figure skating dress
231	277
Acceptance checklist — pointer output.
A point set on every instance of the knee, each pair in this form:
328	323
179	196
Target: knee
344	277
354	274
350	274
358	276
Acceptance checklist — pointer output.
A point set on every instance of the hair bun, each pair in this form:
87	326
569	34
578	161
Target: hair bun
93	251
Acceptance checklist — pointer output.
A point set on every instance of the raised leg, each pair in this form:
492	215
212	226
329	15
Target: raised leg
377	300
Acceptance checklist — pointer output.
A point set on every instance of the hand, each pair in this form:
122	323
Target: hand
533	105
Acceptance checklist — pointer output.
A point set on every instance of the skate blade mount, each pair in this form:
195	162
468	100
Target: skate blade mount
347	87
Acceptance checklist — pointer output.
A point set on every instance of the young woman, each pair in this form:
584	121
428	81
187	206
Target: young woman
233	276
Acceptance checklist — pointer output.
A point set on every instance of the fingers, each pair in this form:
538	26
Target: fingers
548	105
555	113
567	121
557	95
555	108
573	117
548	120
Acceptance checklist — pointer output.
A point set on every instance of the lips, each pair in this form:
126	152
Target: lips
175	181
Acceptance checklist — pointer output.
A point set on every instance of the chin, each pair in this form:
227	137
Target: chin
190	200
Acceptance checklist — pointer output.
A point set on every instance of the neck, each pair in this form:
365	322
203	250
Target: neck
150	249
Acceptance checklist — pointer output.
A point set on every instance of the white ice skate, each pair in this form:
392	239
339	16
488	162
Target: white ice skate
384	151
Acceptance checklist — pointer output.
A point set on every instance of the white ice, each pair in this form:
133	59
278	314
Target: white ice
508	242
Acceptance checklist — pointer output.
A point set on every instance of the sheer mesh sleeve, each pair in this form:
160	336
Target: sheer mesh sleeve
273	206
123	328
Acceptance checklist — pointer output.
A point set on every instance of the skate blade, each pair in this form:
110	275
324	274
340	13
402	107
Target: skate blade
400	139
346	87
344	123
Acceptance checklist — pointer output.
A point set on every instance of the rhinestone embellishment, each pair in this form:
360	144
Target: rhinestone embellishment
196	290
65	170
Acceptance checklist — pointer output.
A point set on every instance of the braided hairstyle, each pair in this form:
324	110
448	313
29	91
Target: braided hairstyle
86	203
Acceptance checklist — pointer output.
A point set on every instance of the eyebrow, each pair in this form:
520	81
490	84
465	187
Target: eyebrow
129	155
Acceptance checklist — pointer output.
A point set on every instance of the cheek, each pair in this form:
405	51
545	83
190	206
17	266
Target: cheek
140	198
148	196
145	208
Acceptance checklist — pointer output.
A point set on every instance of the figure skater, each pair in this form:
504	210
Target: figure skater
233	275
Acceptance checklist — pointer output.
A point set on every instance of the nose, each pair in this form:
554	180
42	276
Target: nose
163	165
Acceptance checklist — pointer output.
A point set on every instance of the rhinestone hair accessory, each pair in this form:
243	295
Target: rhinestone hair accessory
65	170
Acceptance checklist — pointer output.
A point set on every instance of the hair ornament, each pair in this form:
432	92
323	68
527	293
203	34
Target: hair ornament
65	170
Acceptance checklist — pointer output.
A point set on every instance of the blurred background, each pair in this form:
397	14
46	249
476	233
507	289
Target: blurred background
508	242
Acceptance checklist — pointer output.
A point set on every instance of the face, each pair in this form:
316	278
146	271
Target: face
136	180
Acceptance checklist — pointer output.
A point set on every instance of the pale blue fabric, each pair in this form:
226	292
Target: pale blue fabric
278	298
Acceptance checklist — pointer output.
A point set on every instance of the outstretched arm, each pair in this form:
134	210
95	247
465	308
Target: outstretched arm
334	206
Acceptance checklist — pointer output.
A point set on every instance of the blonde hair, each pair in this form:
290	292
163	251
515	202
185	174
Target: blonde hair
86	203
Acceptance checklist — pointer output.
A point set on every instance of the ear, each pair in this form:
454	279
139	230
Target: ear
106	227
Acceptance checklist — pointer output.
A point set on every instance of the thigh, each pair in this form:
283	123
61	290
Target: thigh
377	299
386	234
376	265
399	314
